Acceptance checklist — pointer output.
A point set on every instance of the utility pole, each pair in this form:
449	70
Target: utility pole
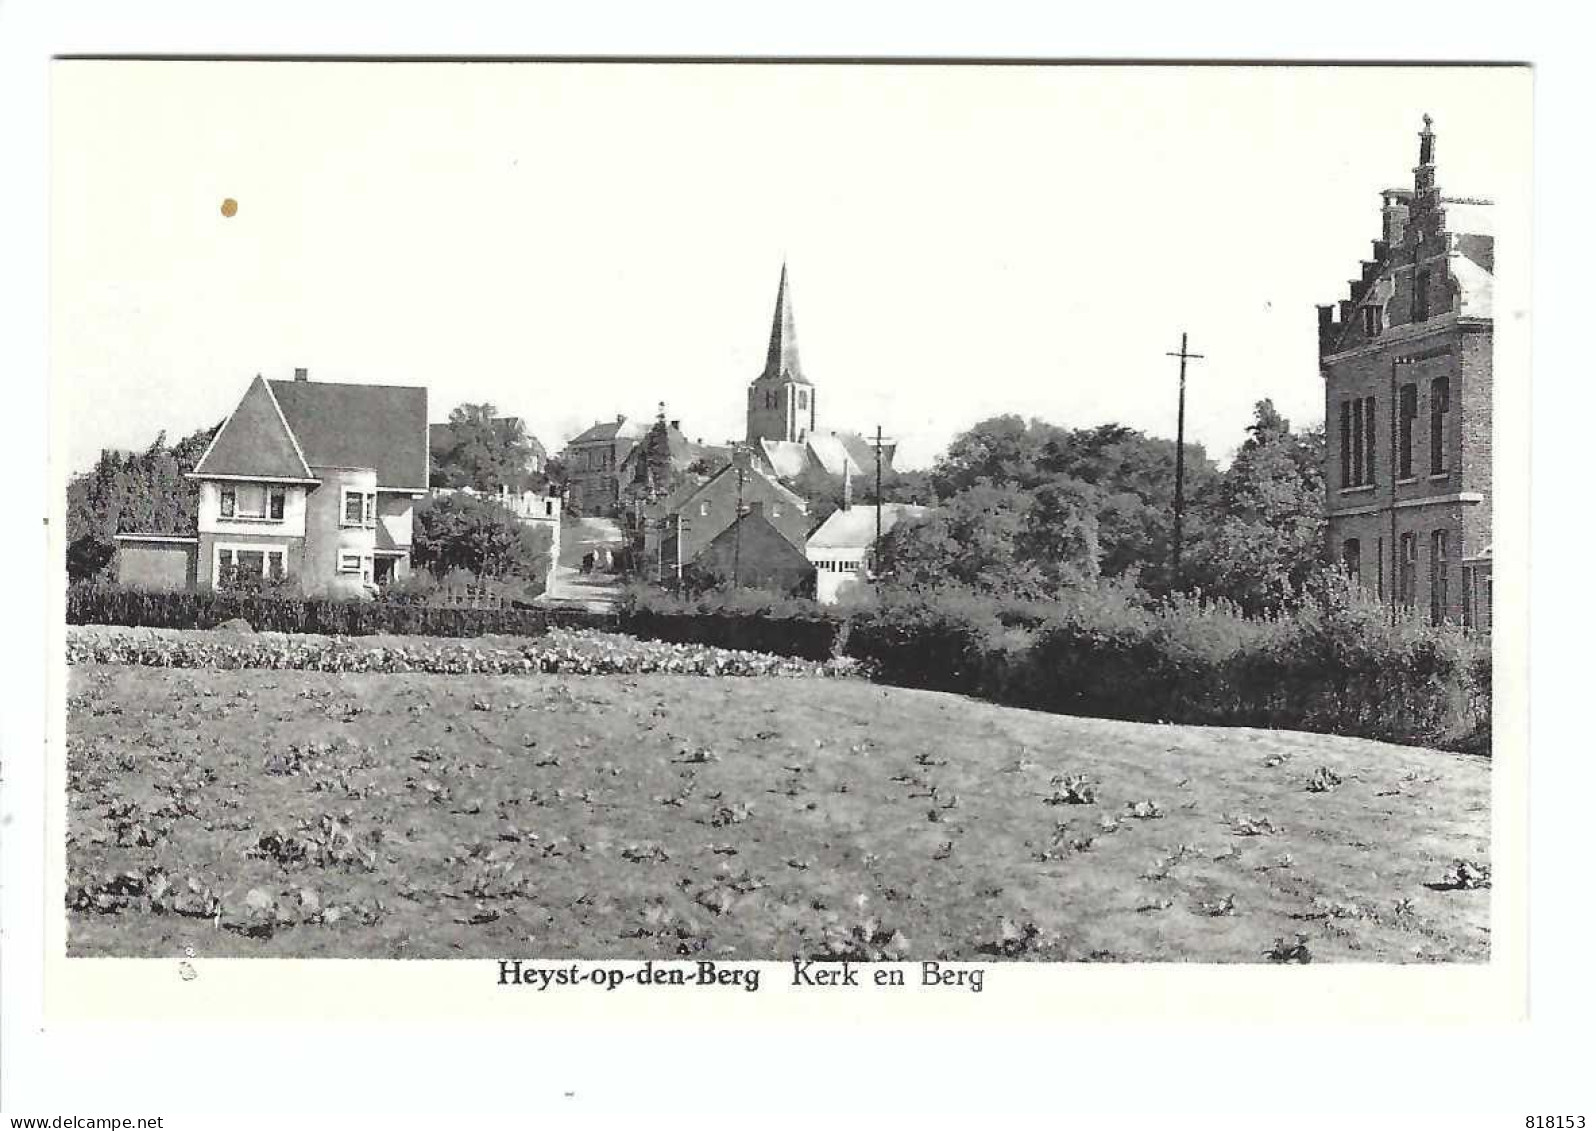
878	485
737	531
1180	451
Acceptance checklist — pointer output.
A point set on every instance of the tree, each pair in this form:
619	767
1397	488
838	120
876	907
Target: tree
146	492
1264	531
87	555
486	452
1122	478
974	540
1002	449
474	534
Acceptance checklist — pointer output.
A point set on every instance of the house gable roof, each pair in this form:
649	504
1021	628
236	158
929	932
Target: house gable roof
255	441
856	526
608	430
753	534
383	427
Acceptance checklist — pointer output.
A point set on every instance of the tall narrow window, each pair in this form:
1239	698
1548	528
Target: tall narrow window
276	505
1379	568
1408	411
229	502
1368	440
1352	559
1371	321
1440	406
1438	577
1346	443
1408	561
1421	294
1358	437
1468	597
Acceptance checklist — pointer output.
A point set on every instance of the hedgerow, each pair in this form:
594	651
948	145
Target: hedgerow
278	612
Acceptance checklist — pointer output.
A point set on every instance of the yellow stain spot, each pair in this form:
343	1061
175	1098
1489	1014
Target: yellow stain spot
229	207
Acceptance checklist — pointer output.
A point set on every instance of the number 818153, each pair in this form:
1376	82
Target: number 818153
1554	1122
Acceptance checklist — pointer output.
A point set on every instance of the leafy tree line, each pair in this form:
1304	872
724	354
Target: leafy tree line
1028	508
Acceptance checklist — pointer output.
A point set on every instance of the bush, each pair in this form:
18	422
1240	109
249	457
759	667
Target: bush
1341	666
749	619
274	612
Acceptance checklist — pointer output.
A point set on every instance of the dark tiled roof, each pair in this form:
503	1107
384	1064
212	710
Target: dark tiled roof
378	426
255	441
610	430
781	358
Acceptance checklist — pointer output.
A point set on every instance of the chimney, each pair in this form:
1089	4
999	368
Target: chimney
301	374
620	418
847	486
676	426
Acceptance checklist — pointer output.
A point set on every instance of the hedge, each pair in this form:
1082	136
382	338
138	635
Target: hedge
1341	668
110	604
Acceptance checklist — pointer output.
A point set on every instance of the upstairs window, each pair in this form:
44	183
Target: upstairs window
1368	446
1357	442
360	508
1372	319
229	502
1421	294
1440	406
1346	443
276	504
1407	413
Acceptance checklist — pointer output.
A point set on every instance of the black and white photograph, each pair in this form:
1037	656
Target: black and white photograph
647	569
767	513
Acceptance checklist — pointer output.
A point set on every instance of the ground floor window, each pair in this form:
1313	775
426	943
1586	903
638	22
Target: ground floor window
356	564
1352	559
245	564
1438	578
1407	568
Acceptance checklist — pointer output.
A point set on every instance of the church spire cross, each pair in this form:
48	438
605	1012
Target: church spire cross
781	361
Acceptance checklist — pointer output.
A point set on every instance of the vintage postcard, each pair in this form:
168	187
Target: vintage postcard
584	540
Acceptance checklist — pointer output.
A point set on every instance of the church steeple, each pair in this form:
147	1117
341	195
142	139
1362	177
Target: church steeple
781	400
781	360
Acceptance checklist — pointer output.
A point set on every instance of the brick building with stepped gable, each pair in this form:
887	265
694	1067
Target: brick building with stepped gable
1406	362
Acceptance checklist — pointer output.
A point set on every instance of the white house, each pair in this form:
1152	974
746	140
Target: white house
841	547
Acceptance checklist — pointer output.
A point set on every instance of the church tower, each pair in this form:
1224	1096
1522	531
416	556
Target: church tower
781	401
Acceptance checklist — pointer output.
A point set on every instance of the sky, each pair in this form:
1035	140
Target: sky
574	241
